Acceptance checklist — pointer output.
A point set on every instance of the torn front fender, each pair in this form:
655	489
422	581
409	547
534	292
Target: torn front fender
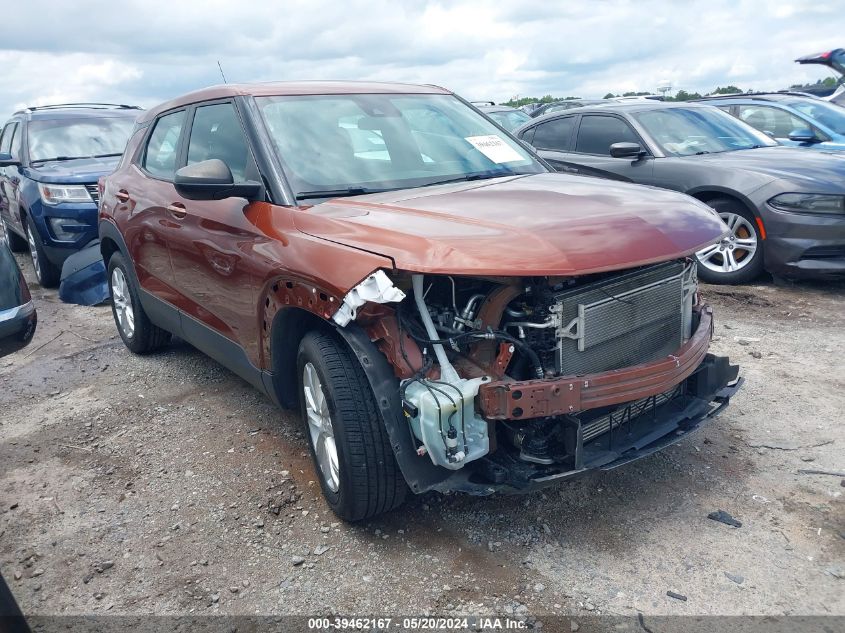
376	288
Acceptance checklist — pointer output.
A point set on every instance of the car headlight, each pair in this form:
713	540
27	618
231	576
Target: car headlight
67	229
809	203
57	194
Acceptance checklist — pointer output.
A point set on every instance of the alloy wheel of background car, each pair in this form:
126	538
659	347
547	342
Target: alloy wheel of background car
46	272
320	426
139	334
122	302
736	258
33	252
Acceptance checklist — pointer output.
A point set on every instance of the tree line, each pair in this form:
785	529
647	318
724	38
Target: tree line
681	95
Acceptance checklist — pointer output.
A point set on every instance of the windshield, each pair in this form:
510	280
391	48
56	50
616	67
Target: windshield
78	138
509	119
370	142
704	130
827	114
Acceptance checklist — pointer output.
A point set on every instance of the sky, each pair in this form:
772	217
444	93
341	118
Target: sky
146	52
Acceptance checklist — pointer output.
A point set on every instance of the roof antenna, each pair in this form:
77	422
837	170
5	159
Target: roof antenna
221	72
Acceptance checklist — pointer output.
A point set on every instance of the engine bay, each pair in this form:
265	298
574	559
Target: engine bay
464	340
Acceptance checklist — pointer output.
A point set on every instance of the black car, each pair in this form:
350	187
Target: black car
506	116
784	206
17	312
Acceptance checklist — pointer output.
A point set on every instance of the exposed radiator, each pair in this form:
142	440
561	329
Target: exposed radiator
625	320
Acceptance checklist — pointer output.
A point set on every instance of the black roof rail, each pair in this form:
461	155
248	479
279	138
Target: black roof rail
83	104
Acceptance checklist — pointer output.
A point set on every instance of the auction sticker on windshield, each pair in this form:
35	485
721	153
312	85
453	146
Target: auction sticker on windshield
494	148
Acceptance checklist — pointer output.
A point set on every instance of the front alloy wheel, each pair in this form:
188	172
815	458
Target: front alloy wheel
737	257
320	427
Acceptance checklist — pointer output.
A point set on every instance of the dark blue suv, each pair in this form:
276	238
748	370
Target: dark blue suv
50	160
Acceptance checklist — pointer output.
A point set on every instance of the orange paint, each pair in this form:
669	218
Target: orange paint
761	227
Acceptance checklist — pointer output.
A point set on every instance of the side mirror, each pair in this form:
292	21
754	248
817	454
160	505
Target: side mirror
804	135
212	180
626	150
6	160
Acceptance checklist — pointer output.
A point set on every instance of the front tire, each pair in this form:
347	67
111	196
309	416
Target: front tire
46	272
349	444
134	326
738	258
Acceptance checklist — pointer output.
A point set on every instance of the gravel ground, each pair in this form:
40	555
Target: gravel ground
166	484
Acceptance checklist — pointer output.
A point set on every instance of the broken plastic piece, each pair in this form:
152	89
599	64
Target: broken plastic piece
376	288
723	517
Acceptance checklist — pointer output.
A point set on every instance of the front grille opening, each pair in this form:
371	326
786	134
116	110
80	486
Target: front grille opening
628	413
825	252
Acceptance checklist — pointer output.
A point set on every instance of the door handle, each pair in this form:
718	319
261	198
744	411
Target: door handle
177	210
122	195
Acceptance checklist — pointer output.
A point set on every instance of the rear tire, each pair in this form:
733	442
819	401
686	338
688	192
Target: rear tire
349	444
738	259
46	272
134	326
16	243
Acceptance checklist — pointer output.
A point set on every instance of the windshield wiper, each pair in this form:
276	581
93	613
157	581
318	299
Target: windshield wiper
470	177
55	158
50	160
337	193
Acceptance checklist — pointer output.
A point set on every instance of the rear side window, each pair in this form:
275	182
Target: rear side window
160	156
554	135
597	133
217	133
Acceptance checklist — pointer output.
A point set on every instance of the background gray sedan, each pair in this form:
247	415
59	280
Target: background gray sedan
785	207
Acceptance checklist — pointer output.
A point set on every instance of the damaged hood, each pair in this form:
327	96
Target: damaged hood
543	224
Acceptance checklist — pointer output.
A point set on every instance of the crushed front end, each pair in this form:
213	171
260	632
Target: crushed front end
509	384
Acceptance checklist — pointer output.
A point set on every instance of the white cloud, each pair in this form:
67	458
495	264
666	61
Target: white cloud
146	51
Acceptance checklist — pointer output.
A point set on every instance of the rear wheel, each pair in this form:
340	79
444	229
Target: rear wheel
349	444
737	258
134	326
47	273
16	243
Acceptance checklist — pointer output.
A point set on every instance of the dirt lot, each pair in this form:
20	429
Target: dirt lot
166	484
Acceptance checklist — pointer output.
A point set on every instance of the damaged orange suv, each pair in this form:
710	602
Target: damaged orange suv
446	313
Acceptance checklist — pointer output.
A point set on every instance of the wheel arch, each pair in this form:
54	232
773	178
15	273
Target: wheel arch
111	242
706	194
289	326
